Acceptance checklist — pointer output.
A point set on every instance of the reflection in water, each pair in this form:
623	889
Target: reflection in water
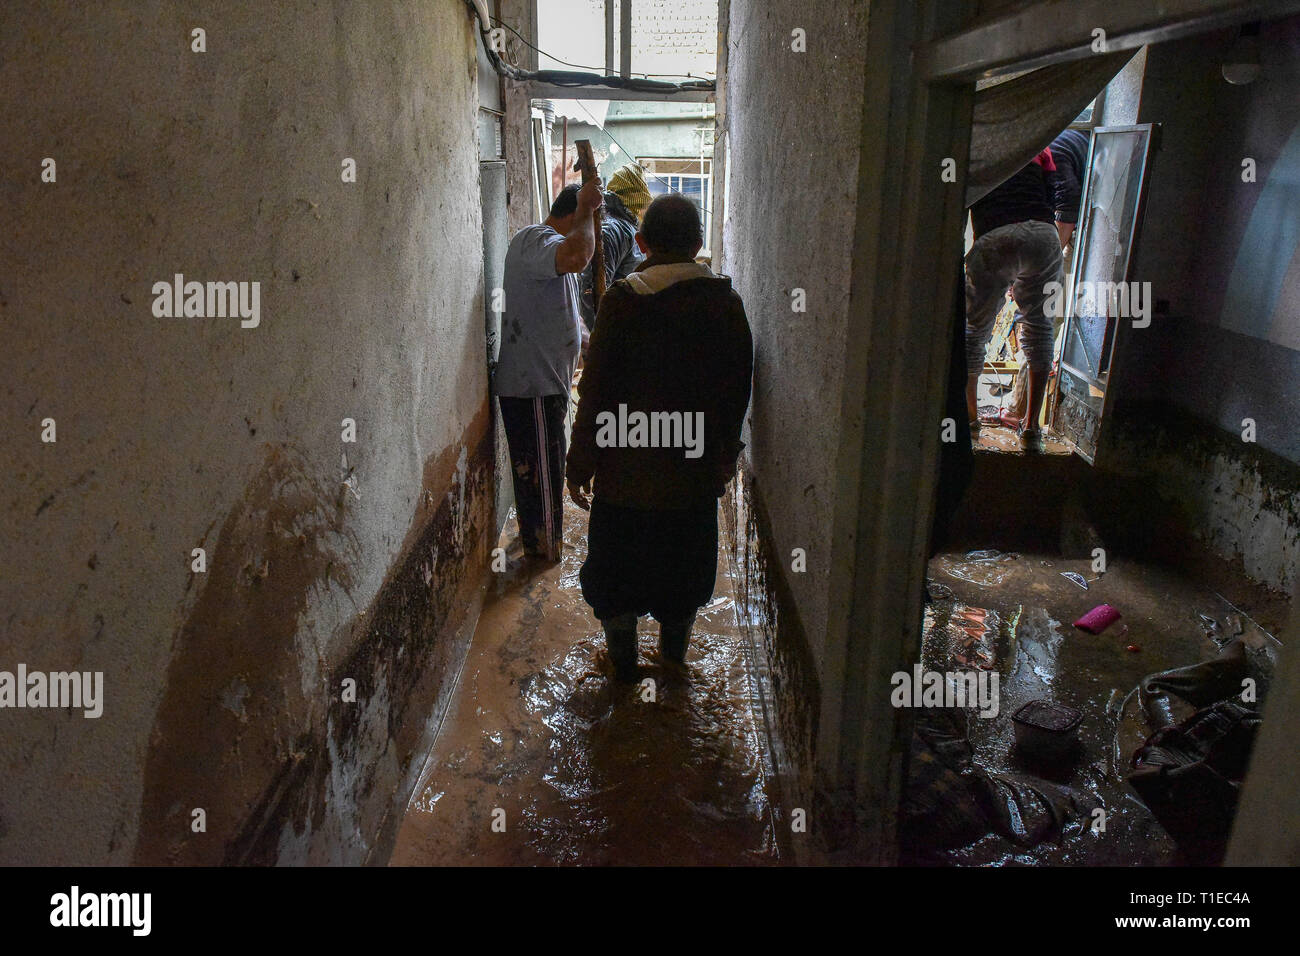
985	568
580	769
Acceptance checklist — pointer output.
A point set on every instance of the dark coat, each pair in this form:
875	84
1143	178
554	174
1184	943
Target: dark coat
685	349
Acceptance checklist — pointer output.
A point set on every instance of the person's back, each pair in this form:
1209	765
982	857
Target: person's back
673	344
620	253
540	339
661	405
1028	196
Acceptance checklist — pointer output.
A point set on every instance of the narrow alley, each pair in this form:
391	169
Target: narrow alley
509	436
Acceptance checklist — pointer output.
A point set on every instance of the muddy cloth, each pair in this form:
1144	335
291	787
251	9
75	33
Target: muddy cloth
1190	776
1172	696
1025	256
535	433
940	809
657	562
951	802
671	341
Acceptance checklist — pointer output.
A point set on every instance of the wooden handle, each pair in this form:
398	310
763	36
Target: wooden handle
587	163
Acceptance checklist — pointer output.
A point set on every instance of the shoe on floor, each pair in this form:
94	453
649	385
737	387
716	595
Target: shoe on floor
1031	441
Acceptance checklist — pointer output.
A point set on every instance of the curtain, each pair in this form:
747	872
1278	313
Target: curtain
1016	117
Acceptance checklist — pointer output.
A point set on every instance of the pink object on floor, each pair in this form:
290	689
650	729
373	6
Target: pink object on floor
1098	619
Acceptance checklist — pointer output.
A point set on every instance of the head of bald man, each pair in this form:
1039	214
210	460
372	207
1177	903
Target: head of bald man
671	229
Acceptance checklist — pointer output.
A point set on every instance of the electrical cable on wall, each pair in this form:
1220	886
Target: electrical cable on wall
573	79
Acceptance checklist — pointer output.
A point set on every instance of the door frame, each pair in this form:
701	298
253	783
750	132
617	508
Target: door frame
922	62
1135	230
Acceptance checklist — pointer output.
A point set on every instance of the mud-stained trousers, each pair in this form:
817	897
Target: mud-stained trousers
1027	257
535	433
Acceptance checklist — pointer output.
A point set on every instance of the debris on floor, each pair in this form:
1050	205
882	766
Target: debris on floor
1098	619
976	797
1190	775
1045	731
1076	578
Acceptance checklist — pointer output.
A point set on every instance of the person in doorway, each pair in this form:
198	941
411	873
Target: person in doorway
1070	153
618	237
657	434
541	334
629	185
1017	245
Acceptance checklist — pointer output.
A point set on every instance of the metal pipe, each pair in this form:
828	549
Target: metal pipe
625	38
609	37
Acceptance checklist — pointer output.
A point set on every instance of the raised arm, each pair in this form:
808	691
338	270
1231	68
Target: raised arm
573	254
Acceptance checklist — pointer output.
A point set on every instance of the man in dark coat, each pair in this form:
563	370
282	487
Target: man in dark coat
661	404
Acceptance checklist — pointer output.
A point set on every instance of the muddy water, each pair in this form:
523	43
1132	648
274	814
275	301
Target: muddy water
544	759
1002	439
1013	613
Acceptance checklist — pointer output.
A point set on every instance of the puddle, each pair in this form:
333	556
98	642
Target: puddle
984	568
671	771
1023	607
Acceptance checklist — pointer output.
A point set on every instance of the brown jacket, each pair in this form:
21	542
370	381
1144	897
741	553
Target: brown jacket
670	363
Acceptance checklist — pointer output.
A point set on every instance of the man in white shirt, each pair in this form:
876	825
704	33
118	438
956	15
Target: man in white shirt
541	337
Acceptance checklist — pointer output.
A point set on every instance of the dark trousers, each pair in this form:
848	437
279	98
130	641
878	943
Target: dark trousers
535	434
663	562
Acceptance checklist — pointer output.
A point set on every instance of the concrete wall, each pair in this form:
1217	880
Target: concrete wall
638	135
789	226
325	560
1195	245
1221	349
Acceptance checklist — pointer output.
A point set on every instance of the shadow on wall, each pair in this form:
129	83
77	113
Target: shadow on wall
256	729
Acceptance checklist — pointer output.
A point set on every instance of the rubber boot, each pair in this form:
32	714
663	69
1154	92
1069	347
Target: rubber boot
674	636
620	640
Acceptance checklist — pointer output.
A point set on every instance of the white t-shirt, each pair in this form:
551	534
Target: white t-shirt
541	332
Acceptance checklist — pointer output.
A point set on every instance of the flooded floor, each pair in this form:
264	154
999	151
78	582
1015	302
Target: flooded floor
544	759
1000	438
1011	614
993	399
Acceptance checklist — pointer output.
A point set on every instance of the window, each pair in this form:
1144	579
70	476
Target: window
667	38
691	177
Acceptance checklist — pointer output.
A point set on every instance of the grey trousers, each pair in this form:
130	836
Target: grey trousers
1025	256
